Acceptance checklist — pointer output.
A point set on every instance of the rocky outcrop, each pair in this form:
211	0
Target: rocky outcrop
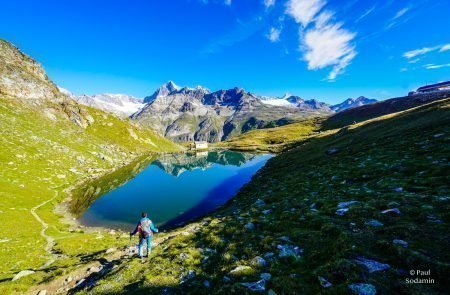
22	78
351	103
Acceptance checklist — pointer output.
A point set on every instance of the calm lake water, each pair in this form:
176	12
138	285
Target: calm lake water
175	188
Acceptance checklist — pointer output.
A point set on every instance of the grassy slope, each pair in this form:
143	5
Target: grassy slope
272	139
37	154
302	187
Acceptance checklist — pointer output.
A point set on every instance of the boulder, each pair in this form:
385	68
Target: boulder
289	251
22	274
242	270
259	286
372	265
265	276
391	211
259	262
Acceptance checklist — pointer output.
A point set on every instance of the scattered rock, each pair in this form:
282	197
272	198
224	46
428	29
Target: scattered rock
183	256
80	284
332	151
374	223
268	211
265	276
285	239
438	135
393	210
42	292
69	279
22	274
324	282
61	176
226	279
189	276
207	284
259	286
372	265
341	212
259	203
398	189
347	204
249	226
241	270
259	262
363	289
110	250
402	243
289	251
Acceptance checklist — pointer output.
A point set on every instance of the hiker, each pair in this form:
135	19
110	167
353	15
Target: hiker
145	228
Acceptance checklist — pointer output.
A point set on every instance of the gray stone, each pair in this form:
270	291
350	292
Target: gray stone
363	289
259	203
346	204
372	265
241	270
207	284
289	251
249	226
341	212
324	282
265	276
268	211
332	151
393	210
42	292
22	274
402	243
259	262
398	189
374	223
259	286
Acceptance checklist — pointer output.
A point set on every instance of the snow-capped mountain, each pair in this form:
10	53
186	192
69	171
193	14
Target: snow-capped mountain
351	103
120	104
171	88
186	114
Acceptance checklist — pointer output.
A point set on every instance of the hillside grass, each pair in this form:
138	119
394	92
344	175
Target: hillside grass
395	161
41	156
273	139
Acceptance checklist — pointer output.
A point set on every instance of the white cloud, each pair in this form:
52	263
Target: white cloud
400	13
326	43
433	66
304	11
227	2
421	51
274	35
269	3
413	61
445	48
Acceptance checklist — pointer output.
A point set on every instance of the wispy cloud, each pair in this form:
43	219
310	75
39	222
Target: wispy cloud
421	51
269	3
227	2
366	13
274	35
395	19
325	43
400	13
433	66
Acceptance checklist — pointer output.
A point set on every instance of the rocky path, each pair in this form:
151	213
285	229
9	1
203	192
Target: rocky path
50	240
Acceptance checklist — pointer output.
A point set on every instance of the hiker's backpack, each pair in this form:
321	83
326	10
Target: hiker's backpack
146	227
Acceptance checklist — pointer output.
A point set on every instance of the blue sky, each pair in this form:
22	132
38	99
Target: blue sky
324	49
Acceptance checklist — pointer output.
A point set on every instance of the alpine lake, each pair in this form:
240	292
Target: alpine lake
172	188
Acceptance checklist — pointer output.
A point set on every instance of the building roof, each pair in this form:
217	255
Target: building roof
427	87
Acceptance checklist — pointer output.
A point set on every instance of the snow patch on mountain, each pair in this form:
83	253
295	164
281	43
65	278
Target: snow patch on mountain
120	104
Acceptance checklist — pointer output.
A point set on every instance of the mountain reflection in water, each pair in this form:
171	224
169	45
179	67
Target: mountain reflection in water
175	188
